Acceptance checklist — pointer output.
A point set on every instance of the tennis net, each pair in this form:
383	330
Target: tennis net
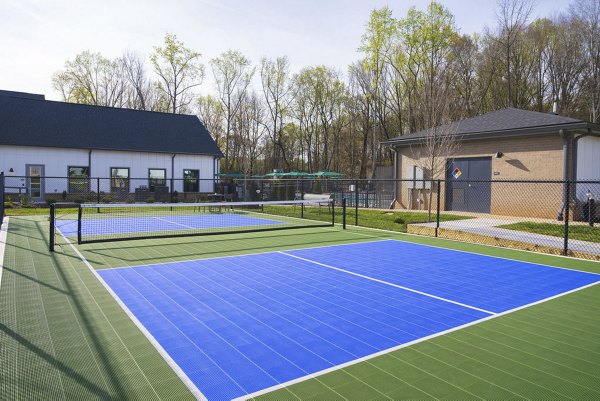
118	222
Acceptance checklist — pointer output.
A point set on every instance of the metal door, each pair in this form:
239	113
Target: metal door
35	182
468	188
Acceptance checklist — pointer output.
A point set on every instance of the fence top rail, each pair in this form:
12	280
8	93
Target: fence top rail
288	179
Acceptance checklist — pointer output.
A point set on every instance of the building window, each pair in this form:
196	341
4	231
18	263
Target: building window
191	180
119	179
157	177
79	179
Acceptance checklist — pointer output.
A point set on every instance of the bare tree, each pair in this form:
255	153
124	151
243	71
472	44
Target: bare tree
587	16
274	77
512	17
91	78
135	73
210	112
440	142
179	71
233	73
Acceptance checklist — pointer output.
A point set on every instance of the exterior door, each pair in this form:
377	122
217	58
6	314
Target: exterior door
35	182
472	190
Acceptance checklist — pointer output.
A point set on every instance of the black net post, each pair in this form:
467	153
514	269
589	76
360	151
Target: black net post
52	227
343	213
79	214
356	203
437	216
567	201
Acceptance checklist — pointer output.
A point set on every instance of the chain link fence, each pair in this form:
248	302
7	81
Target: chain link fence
544	216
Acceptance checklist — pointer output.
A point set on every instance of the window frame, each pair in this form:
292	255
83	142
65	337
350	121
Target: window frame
152	184
126	188
70	186
187	181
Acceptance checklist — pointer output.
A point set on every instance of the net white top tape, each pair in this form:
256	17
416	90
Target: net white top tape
206	204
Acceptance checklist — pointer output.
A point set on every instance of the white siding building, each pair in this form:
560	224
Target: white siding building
51	147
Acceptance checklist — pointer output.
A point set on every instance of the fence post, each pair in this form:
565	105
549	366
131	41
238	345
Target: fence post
437	216
1	197
52	228
356	202
302	198
171	190
567	202
79	213
333	213
343	213
98	193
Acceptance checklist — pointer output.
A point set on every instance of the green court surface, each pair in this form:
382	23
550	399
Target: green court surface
64	337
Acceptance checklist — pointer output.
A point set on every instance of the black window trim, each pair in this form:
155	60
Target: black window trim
197	183
150	186
128	177
69	167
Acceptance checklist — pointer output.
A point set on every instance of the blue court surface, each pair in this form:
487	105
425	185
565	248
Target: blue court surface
237	325
124	225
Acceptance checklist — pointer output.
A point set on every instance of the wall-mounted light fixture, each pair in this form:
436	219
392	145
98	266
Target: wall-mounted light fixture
498	155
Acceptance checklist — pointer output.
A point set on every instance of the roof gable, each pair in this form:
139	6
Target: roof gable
35	122
499	123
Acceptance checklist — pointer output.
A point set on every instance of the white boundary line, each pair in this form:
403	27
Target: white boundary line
172	222
178	371
3	238
390	284
389	350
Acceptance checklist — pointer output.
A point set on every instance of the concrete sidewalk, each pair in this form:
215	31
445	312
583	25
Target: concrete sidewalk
489	227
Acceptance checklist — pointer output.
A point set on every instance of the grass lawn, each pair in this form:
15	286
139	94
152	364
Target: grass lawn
583	233
26	211
372	218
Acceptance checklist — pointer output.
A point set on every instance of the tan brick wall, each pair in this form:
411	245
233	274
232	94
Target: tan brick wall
530	158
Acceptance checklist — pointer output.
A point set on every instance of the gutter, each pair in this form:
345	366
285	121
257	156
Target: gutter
407	140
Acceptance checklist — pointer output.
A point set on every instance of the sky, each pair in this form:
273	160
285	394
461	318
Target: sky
37	37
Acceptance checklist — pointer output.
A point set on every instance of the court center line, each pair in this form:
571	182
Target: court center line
388	283
172	222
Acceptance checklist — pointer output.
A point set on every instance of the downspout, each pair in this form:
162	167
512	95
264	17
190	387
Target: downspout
89	163
566	159
172	174
395	178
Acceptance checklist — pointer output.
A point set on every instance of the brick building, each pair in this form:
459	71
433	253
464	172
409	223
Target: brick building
494	150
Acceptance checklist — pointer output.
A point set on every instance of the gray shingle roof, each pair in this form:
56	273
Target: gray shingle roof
31	121
501	123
